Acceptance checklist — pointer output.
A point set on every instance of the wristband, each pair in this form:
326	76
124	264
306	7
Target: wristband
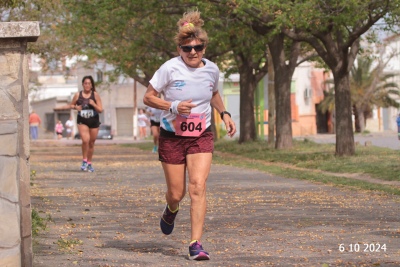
174	107
223	113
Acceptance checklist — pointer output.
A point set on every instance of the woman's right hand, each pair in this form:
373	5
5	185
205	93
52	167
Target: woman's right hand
185	107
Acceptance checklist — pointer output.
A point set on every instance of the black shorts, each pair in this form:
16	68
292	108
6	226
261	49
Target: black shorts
93	122
153	123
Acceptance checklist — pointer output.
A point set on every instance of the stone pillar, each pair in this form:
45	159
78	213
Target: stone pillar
15	203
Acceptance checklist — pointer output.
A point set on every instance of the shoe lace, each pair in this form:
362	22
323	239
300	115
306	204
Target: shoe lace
169	217
196	246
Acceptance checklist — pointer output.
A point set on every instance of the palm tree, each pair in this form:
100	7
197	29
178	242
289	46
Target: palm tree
370	87
328	104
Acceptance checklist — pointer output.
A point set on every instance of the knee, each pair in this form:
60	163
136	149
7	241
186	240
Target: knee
176	196
91	144
197	190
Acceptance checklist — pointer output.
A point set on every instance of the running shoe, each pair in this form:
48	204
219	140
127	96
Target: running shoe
84	166
90	168
167	221
196	252
155	149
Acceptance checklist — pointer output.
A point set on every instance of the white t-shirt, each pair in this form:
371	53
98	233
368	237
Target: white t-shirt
142	120
155	114
69	124
177	81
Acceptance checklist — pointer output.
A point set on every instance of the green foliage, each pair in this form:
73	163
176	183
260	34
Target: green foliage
131	35
32	176
11	3
370	87
39	223
68	244
222	132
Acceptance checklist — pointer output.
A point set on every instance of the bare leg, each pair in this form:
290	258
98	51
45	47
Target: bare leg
85	136
176	186
143	132
93	135
155	131
198	168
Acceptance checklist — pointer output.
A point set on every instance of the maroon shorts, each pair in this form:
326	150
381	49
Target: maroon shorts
173	150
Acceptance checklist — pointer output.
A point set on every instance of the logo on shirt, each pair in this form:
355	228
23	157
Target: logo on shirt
179	85
211	86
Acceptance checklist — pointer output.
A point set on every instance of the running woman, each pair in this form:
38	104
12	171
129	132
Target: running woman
398	125
189	84
88	104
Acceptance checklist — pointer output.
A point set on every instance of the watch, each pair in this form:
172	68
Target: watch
223	113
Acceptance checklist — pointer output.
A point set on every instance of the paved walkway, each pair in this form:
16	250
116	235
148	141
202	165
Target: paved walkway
111	217
384	139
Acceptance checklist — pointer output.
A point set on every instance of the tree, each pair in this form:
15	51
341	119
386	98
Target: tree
285	53
250	16
251	60
333	29
136	37
10	3
371	87
130	35
49	46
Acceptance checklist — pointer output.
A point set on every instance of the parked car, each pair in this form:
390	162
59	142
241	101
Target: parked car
104	133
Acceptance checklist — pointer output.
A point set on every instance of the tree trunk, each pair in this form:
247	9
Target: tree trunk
283	78
271	100
344	126
283	110
367	114
247	119
357	127
361	120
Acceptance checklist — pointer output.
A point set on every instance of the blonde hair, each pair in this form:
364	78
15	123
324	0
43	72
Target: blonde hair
190	29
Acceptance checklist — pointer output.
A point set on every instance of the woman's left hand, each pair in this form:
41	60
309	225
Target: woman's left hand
92	103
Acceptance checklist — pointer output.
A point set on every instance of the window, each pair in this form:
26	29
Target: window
99	76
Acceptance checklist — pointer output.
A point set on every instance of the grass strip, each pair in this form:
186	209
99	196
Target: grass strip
307	160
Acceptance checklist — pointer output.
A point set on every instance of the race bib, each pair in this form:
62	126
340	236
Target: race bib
87	113
192	125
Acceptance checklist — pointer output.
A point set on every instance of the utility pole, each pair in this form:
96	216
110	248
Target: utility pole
271	100
135	113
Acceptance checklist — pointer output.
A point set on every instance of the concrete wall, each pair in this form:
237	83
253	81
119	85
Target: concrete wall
15	203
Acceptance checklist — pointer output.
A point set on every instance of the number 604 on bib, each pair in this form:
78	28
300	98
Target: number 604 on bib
193	125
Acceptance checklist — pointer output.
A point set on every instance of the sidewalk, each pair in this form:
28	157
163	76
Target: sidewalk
380	139
111	217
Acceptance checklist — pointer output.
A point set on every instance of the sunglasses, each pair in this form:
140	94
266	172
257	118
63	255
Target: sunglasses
188	48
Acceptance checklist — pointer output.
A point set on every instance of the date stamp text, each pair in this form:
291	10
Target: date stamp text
363	247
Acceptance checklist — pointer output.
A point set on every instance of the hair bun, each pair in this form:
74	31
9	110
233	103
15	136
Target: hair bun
190	27
187	24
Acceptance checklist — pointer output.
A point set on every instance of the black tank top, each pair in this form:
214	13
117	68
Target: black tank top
84	102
